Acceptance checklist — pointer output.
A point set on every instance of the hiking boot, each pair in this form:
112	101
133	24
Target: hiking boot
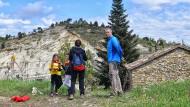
71	97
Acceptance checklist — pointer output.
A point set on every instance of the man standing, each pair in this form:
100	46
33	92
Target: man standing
114	54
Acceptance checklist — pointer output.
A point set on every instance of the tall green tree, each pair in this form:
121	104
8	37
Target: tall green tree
20	35
102	25
96	23
120	27
161	42
40	30
52	25
7	36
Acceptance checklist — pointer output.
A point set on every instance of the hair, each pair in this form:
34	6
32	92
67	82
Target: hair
54	55
108	29
78	43
52	61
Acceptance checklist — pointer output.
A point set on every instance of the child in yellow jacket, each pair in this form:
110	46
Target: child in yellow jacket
55	71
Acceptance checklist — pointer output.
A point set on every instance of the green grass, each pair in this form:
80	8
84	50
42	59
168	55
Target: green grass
167	94
16	87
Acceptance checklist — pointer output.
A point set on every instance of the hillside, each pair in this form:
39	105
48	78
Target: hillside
34	52
91	34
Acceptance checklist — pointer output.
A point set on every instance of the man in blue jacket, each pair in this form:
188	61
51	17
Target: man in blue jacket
114	54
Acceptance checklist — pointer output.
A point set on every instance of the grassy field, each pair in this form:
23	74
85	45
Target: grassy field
16	87
167	94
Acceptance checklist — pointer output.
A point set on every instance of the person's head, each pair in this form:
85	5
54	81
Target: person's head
78	43
66	57
108	32
55	58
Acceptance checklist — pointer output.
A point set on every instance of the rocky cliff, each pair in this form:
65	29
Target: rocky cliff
34	52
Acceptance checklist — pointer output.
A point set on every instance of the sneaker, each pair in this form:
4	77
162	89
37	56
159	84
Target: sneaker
56	94
82	96
111	95
51	94
119	94
71	97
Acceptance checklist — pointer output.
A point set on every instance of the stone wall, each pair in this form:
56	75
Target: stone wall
172	66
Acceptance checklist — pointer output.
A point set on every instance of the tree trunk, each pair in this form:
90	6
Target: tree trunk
127	85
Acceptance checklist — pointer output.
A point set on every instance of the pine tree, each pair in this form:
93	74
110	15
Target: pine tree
52	25
7	36
20	35
120	27
96	23
40	30
91	25
102	25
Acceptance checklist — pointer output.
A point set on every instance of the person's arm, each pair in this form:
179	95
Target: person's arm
63	67
117	46
60	66
50	67
70	55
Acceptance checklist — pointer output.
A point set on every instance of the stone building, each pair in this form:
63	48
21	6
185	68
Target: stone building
169	64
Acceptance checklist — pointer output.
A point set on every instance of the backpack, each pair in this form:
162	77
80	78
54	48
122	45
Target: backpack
78	61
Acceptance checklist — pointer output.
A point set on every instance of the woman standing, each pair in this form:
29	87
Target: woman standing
77	57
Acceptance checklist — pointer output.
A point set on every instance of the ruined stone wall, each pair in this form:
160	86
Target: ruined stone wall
172	66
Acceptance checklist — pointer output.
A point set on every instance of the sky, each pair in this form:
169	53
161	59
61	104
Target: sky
167	19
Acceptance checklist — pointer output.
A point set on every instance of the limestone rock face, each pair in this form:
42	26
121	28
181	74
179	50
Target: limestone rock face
34	53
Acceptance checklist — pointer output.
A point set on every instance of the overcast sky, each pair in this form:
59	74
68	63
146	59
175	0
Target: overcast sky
167	19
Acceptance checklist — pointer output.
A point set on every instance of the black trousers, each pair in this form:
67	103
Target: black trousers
56	82
74	75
